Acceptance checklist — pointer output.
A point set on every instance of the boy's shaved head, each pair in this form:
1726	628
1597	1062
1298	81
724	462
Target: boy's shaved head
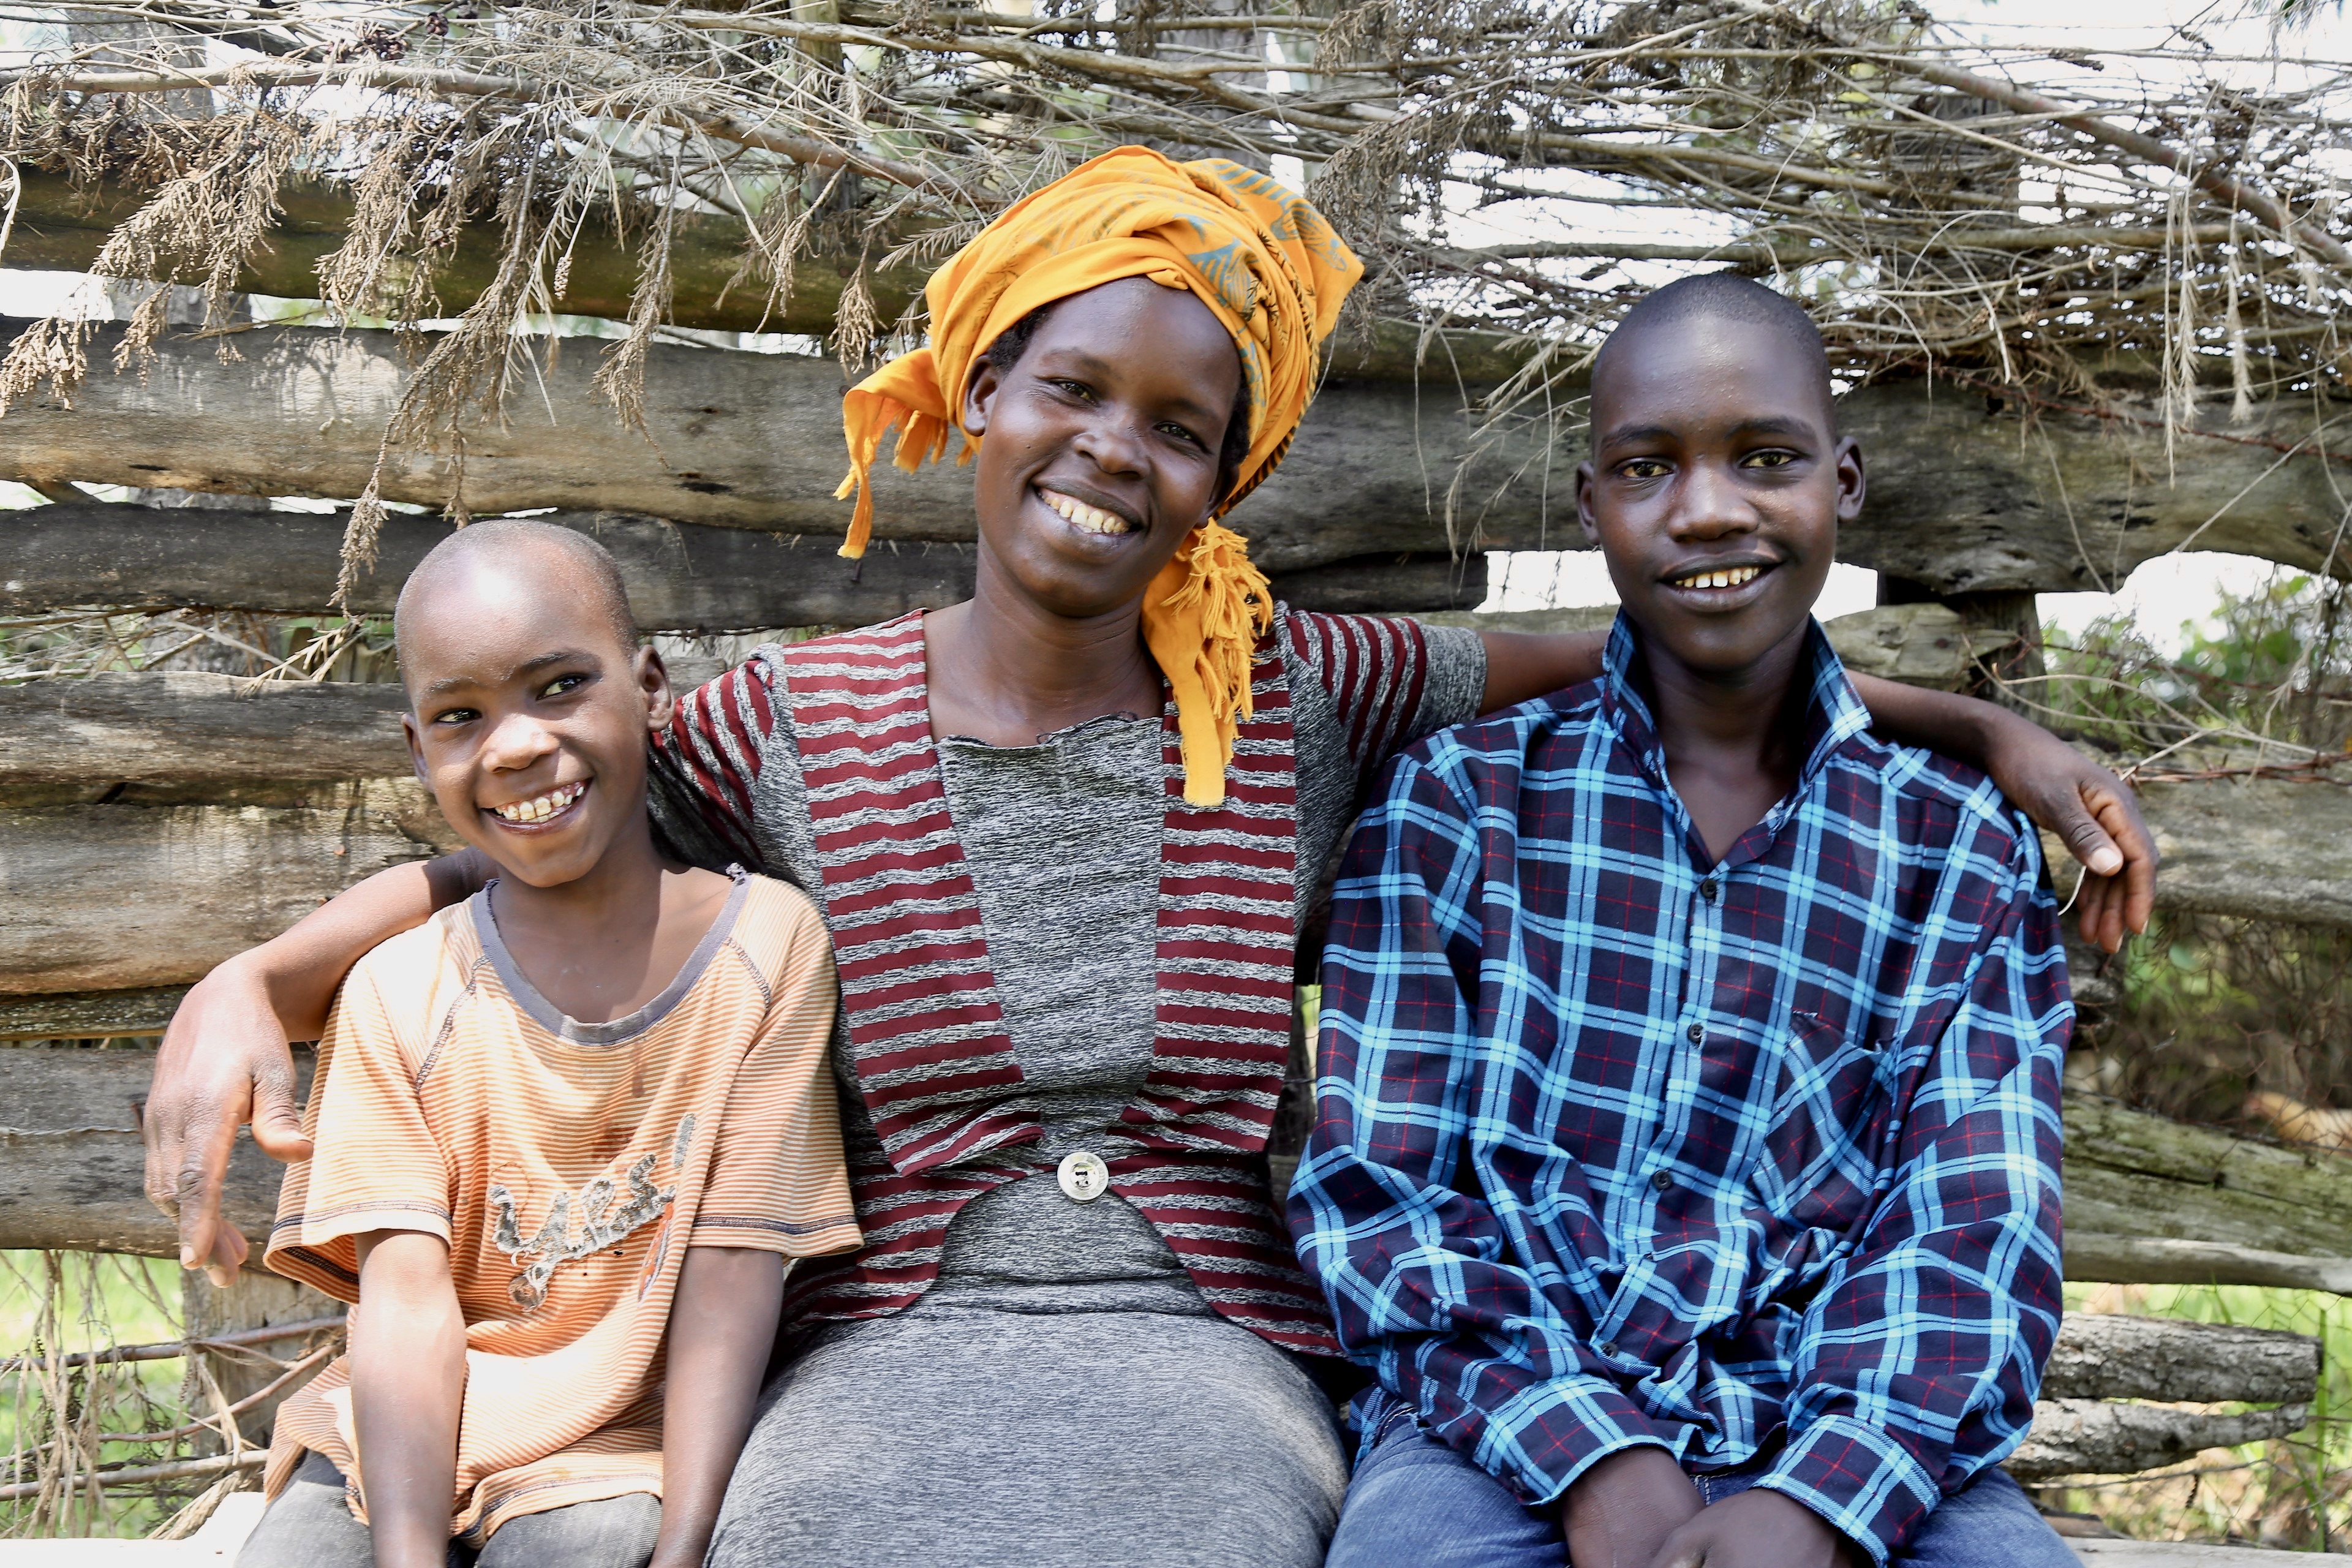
511	546
1719	297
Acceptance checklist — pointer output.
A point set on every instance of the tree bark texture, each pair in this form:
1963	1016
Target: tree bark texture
61	227
71	1166
135	890
2110	1355
2130	1174
2093	1438
1966	496
682	577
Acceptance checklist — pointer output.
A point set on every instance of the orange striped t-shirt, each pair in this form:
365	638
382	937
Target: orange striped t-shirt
567	1165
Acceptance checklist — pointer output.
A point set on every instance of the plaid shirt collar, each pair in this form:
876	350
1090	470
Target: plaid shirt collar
1835	719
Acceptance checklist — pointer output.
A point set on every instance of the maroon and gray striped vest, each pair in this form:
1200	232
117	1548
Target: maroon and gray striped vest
926	1032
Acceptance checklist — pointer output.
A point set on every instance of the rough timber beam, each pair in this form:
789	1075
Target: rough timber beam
1966	495
134	888
685	578
62	226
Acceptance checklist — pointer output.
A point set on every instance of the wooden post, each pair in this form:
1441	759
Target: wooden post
257	1299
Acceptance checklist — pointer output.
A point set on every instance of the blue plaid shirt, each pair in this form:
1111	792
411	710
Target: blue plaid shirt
1755	1160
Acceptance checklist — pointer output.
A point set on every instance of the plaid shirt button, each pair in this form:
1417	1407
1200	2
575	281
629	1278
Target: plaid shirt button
1708	888
1699	1034
1662	1181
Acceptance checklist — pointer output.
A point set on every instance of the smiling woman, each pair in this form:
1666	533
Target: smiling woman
1067	835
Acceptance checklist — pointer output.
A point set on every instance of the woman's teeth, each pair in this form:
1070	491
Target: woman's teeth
1085	518
1730	577
539	808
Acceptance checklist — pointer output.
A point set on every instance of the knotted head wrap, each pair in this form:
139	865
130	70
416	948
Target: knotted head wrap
1260	257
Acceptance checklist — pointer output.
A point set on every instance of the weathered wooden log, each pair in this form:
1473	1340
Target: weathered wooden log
741	440
62	226
682	577
2123	1554
88	1014
2262	848
2130	1174
72	1165
2111	1355
123	894
2093	1438
167	728
2107	1259
1962	498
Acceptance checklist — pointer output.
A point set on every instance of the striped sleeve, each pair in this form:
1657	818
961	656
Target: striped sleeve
705	763
1376	669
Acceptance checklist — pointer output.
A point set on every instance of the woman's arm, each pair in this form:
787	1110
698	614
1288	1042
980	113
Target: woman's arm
225	1059
408	1386
2063	791
722	1326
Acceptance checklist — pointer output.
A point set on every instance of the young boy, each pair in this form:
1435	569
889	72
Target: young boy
1687	1156
566	1133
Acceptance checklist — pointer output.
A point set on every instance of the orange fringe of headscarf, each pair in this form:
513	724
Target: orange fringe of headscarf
1273	273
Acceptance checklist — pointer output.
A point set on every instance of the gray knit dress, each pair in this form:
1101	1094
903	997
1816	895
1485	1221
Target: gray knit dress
1062	1395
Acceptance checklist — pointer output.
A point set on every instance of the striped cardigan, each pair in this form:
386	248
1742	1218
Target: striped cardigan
933	1061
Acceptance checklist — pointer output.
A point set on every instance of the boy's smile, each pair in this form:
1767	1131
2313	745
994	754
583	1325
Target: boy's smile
1716	486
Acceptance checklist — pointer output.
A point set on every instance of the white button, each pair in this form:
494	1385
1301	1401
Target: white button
1082	1175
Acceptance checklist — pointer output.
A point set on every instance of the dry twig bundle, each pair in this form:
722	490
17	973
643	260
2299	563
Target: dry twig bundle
2023	218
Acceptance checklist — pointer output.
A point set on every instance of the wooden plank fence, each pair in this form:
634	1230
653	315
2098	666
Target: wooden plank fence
152	825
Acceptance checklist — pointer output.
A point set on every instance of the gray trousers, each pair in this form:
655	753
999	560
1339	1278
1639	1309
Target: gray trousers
310	1527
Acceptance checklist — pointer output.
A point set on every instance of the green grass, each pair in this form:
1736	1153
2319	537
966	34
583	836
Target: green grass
82	1301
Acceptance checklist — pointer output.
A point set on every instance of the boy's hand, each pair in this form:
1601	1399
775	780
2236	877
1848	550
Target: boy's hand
1625	1509
2093	811
1756	1530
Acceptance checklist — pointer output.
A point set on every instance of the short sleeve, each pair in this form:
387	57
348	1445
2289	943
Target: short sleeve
777	1181
706	762
1392	679
374	1165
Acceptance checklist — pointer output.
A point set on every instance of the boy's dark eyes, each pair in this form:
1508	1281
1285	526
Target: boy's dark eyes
564	683
457	715
1644	468
1771	457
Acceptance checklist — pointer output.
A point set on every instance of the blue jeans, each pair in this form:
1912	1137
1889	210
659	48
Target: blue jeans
1416	1502
307	1526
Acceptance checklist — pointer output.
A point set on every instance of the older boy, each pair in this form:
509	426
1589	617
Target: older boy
1687	1160
566	1133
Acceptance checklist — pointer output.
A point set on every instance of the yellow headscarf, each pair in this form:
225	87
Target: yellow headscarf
1255	254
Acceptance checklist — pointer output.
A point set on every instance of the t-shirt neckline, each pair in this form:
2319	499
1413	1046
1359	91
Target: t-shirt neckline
616	1031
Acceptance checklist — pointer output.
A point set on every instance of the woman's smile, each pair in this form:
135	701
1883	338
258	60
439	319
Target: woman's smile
1085	517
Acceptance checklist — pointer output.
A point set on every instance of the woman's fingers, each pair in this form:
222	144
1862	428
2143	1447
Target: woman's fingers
2118	814
223	1061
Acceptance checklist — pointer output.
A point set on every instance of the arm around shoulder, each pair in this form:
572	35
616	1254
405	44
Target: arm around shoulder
226	1060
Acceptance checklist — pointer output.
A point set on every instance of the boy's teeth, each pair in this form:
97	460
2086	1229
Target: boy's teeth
1092	519
539	808
1732	578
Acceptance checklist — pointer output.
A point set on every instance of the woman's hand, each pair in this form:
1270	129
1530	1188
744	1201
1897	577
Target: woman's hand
224	1062
2093	814
2065	793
